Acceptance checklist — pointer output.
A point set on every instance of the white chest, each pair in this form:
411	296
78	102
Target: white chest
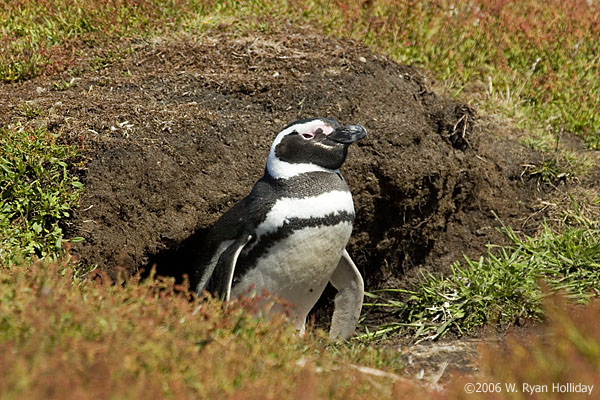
298	267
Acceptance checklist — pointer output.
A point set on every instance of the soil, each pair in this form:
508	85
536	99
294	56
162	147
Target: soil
178	130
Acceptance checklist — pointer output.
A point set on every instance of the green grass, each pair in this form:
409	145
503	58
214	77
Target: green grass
48	36
37	192
558	164
536	62
503	288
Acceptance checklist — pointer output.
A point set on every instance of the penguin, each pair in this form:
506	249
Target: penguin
288	237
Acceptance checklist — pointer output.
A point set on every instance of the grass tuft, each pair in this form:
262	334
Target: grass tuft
502	288
558	165
37	192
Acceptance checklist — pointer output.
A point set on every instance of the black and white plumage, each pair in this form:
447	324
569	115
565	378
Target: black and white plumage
288	236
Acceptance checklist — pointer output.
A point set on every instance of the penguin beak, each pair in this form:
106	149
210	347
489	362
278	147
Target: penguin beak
348	134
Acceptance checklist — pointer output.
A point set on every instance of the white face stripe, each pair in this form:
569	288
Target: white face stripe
310	207
283	170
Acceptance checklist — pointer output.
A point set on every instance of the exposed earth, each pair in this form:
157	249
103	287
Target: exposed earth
178	130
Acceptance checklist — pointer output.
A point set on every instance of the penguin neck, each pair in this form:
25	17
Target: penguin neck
311	183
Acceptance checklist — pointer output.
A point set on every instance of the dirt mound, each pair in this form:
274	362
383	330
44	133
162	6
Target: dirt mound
179	131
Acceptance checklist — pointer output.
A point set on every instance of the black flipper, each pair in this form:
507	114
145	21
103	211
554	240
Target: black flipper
222	277
205	278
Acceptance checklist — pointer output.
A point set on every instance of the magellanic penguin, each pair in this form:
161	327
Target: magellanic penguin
288	237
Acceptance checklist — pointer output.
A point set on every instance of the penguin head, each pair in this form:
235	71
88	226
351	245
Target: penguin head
309	145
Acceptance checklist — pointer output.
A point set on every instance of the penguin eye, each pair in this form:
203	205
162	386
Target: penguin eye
308	135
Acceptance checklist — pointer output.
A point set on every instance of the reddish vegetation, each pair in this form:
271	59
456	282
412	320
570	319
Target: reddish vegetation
144	340
565	350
